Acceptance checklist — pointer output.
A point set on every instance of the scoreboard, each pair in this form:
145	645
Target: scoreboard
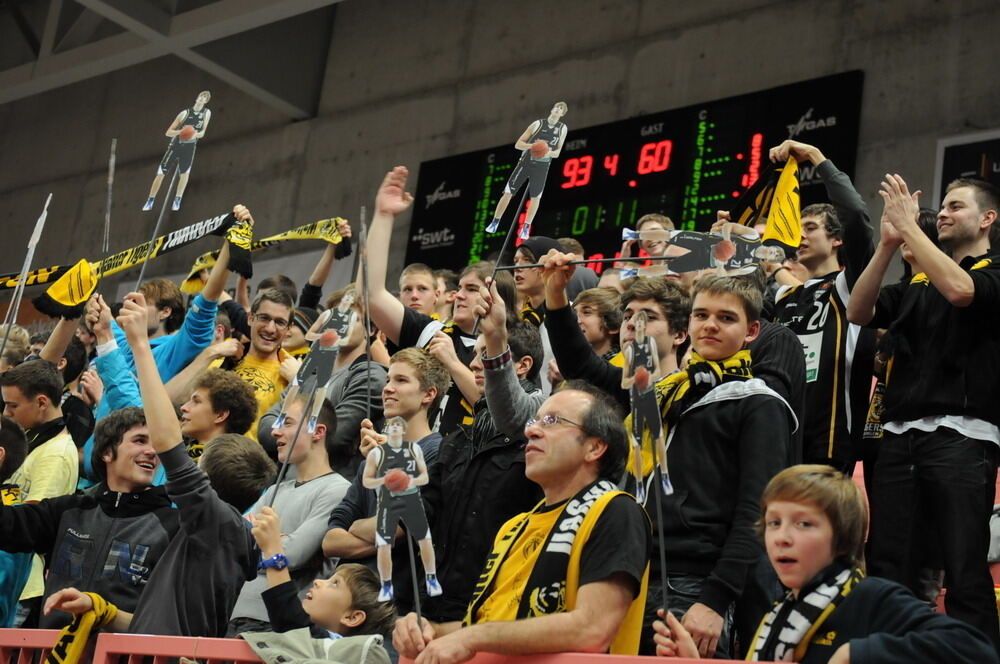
685	163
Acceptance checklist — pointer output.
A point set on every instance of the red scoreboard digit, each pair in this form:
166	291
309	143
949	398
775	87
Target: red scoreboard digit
654	157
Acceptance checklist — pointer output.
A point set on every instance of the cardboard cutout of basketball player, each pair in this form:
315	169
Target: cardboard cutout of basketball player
339	319
640	372
314	376
397	470
184	132
540	143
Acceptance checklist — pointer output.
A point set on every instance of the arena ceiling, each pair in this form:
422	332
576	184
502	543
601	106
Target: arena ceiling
46	44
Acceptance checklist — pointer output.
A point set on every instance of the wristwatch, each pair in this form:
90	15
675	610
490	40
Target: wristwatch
278	561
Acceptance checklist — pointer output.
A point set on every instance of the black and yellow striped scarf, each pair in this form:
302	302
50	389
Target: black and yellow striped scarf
785	633
73	638
682	388
324	229
554	583
74	285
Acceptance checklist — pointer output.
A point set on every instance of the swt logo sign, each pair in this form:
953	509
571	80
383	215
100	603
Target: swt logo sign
433	239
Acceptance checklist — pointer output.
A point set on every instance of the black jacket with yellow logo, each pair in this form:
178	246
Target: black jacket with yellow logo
886	624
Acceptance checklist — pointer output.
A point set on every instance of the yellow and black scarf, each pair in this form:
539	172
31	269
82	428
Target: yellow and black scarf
324	229
75	284
785	633
554	581
73	638
682	388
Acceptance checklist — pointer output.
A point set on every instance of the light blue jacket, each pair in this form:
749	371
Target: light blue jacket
172	353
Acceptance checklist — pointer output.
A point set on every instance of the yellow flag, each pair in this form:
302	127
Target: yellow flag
784	216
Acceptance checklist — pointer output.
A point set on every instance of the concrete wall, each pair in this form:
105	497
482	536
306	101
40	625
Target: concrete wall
409	80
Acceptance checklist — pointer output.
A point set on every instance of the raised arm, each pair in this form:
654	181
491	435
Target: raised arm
443	348
864	295
392	199
164	429
510	405
851	209
901	207
242	292
179	387
572	351
219	275
59	340
120	387
267	531
312	291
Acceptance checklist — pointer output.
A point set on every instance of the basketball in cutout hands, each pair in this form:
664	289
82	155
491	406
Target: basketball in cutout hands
186	133
724	250
642	379
396	480
539	149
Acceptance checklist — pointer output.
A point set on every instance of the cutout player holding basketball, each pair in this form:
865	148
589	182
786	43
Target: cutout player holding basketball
397	470
184	132
540	143
640	373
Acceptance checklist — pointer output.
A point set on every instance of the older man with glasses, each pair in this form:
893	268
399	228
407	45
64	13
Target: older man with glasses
571	574
265	366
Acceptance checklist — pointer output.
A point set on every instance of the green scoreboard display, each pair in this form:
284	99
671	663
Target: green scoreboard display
685	163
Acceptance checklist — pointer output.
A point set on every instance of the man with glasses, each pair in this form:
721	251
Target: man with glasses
558	578
266	366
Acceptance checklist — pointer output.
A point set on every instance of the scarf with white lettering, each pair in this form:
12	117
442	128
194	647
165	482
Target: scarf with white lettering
324	229
75	284
546	589
784	634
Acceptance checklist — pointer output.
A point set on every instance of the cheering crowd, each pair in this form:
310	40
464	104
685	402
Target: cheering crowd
592	462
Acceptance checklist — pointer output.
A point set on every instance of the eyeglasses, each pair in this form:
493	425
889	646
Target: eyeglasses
550	419
264	319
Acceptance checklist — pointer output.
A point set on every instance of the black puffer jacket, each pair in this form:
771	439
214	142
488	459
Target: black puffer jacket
476	486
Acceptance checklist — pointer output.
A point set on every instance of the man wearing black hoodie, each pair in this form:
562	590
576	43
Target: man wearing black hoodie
109	540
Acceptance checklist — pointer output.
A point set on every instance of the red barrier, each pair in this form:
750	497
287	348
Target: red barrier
577	658
31	645
111	648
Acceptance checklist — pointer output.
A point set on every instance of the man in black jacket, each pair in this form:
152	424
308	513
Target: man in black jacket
937	462
109	540
478	482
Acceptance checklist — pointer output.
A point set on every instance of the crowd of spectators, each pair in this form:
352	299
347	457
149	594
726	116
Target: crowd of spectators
580	449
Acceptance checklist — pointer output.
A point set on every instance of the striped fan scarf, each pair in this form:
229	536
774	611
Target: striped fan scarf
784	634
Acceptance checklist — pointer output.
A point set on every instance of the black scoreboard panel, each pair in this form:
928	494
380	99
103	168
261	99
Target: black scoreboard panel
685	163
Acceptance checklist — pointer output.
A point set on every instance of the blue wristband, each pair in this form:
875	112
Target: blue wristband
278	561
